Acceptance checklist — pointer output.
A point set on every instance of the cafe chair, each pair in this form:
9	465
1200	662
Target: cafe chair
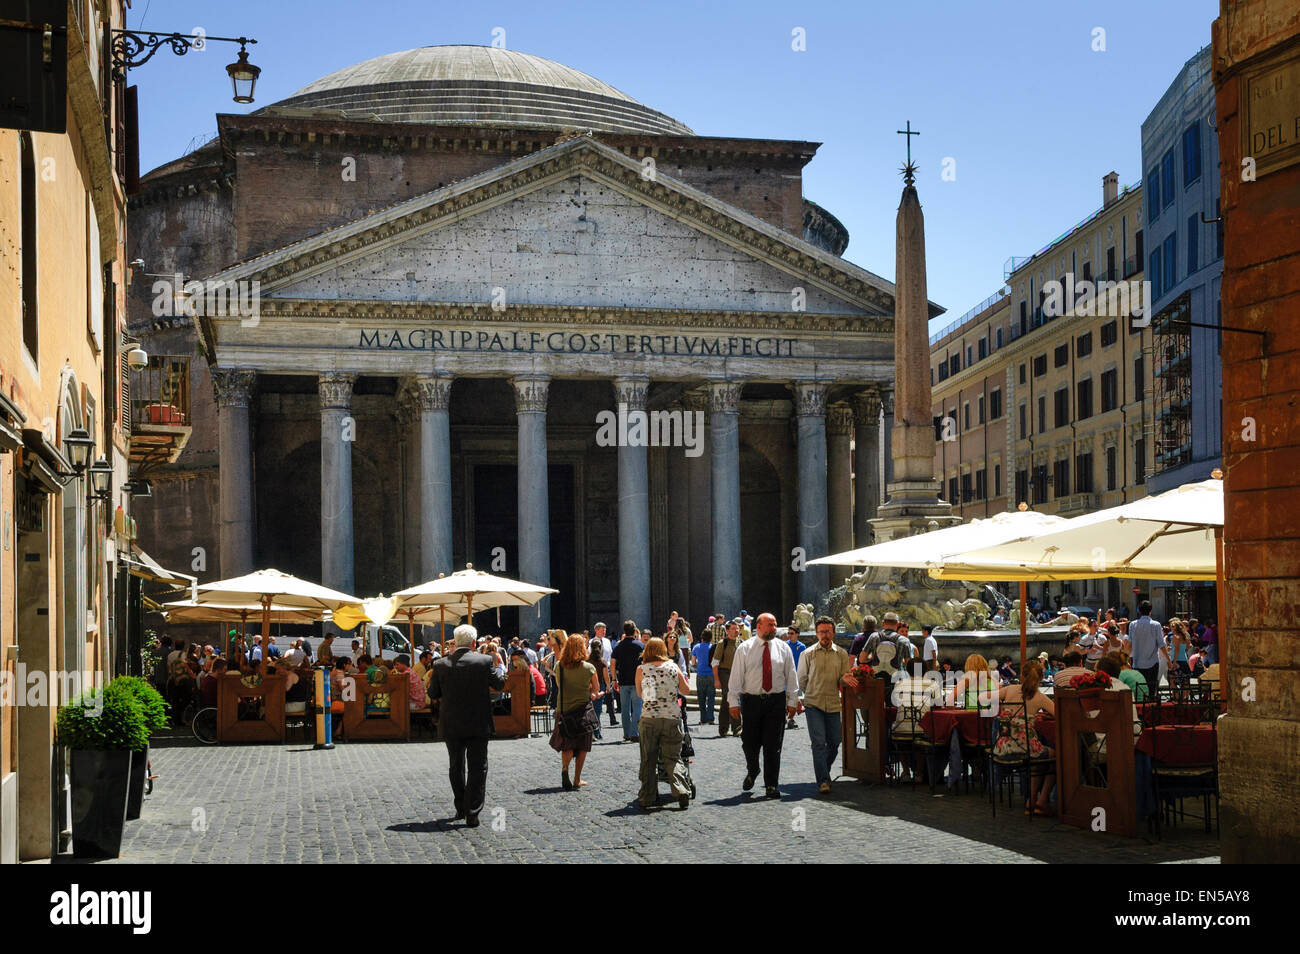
541	720
1012	766
1175	781
907	740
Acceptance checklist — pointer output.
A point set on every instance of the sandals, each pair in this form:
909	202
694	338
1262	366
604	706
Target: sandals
564	780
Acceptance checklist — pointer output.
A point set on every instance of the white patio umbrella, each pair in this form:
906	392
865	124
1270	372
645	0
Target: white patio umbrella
474	589
270	589
926	551
1167	536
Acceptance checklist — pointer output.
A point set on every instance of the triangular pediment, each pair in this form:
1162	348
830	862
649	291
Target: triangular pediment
580	224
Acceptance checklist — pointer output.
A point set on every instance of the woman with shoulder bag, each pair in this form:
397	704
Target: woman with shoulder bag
575	718
658	680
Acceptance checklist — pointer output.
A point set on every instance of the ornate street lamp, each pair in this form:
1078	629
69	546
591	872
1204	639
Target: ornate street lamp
101	479
131	48
77	445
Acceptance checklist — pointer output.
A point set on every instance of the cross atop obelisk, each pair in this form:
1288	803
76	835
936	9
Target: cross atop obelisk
909	170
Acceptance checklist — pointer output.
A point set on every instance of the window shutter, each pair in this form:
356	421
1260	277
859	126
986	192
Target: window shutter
124	371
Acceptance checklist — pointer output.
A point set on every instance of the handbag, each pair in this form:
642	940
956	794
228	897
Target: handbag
579	721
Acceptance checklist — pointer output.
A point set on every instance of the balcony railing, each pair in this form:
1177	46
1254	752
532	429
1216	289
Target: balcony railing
160	409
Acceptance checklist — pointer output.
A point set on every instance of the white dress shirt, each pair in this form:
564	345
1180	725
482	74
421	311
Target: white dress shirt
747	671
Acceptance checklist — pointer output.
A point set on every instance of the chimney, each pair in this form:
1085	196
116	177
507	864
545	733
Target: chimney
1109	189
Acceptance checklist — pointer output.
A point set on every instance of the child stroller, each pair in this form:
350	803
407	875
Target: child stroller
688	751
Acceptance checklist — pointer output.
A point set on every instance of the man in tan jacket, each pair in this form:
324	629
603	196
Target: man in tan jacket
821	667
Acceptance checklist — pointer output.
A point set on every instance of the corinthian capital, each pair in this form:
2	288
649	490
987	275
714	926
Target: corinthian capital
336	390
866	405
631	392
839	420
531	393
724	397
809	399
432	392
233	387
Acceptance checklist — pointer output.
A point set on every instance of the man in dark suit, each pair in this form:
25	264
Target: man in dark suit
462	681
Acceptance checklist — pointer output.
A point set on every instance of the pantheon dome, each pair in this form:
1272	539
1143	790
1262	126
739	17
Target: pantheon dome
479	86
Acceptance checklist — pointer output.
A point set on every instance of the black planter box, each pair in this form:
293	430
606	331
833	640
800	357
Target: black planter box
135	798
99	792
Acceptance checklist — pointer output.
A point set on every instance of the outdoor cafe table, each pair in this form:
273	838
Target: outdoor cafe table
939	725
1179	744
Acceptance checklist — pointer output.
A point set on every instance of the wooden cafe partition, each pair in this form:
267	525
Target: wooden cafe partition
1081	792
516	724
862	728
250	707
393	722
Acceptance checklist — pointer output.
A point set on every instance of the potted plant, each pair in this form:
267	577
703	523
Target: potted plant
101	727
1090	686
155	718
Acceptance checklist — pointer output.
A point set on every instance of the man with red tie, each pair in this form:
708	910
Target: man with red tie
763	693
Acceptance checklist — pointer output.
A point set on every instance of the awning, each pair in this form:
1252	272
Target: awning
146	567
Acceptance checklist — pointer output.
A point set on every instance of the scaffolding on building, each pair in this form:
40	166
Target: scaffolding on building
1171	398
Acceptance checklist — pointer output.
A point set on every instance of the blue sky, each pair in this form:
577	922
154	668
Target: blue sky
1011	91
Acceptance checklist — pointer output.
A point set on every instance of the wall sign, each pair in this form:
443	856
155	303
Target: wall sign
1270	115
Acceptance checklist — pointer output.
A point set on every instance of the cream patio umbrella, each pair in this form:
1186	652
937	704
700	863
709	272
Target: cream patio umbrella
928	551
474	589
272	590
1175	535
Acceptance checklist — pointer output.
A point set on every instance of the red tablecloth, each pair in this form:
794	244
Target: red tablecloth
1170	713
939	725
1180	744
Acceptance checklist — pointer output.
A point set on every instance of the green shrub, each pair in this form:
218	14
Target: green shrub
150	699
104	719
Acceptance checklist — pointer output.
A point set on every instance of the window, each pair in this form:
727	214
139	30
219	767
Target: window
1040	366
1192	154
1170	260
1140	461
27	245
1087	271
1139	377
997	480
1153	193
1042	413
965	413
1083	474
1193	242
983	347
1024	422
952	416
1153	273
1109	333
952	490
943	370
969	359
954	363
1061	477
1022	374
1167	180
1083	345
938	427
966	493
1084	402
1062	357
1062	406
1024	318
980	411
1110	264
995	405
982	484
999	338
1040	484
1109	390
1111	473
1022	486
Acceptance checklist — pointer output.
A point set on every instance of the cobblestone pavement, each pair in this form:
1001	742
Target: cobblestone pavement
390	802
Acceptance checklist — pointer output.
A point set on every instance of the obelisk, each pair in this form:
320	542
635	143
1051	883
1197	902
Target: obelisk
913	504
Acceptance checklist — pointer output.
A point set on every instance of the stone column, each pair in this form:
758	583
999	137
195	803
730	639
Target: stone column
679	524
887	409
724	420
409	445
337	432
633	508
810	421
866	464
534	499
839	473
699	475
432	395
233	390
